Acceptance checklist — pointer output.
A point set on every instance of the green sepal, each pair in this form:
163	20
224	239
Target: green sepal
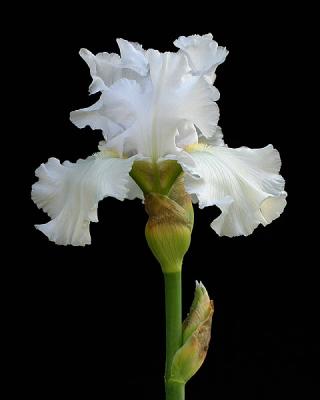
156	177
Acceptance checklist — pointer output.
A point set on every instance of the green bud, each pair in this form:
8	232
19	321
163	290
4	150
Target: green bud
168	230
201	308
196	337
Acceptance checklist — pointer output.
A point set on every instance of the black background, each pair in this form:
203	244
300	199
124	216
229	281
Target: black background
90	321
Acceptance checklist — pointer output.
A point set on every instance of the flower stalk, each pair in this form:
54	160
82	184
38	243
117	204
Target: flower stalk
173	300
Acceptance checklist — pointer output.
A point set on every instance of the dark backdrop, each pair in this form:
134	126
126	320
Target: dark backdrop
90	321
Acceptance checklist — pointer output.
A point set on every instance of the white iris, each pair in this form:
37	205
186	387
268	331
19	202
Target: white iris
159	106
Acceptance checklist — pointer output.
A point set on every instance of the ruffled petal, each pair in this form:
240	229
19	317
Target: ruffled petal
204	54
244	183
145	117
69	193
134	191
197	104
187	134
133	57
106	68
96	117
215	140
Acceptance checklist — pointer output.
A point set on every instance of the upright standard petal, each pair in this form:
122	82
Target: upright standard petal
106	68
215	140
204	54
95	117
145	116
69	193
244	183
133	56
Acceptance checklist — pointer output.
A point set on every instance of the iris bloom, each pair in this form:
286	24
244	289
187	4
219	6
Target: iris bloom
158	106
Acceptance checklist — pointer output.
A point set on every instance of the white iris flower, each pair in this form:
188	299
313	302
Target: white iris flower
157	106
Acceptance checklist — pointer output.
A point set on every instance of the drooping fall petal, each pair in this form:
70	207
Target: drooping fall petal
69	193
244	183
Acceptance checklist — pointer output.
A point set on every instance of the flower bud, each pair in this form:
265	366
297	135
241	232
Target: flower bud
201	308
196	337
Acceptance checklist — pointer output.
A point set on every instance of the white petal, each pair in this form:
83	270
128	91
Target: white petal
204	54
215	140
134	192
181	96
70	193
133	56
190	135
244	183
106	68
144	117
187	134
272	208
125	104
198	104
96	117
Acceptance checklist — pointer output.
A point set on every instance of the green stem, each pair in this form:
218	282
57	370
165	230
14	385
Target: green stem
174	390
